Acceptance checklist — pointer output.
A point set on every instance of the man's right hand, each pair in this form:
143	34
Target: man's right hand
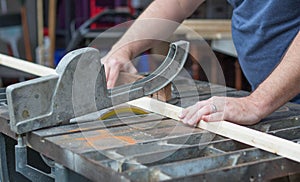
114	62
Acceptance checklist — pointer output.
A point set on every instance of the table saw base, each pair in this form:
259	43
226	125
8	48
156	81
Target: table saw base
8	172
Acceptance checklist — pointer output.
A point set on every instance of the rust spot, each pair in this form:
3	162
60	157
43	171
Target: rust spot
105	135
126	139
25	114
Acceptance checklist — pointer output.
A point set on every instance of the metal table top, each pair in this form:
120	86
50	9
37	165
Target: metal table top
153	148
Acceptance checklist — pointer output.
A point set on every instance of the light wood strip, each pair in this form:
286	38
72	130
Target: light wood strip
207	29
25	66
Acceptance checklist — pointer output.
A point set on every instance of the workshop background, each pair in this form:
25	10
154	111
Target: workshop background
44	31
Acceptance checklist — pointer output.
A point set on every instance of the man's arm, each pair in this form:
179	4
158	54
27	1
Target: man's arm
156	23
284	82
282	85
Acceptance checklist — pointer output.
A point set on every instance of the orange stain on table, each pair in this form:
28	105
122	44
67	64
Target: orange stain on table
126	139
106	135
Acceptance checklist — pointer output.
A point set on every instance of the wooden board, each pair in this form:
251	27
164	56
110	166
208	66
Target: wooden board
236	132
25	66
208	29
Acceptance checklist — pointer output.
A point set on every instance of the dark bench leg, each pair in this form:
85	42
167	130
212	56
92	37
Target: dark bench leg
3	161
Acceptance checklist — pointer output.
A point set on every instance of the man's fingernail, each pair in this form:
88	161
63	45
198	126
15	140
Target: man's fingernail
108	85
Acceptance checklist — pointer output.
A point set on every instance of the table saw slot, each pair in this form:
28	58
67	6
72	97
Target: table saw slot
124	121
158	145
96	124
190	152
188	98
150	156
286	112
182	92
278	124
202	165
132	150
223	91
229	145
193	139
183	84
161	130
157	157
149	153
199	138
196	90
142	149
288	133
175	155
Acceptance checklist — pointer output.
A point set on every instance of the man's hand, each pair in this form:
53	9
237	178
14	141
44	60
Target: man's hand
114	63
242	111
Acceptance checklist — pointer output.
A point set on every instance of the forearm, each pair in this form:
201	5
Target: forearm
156	23
283	83
281	86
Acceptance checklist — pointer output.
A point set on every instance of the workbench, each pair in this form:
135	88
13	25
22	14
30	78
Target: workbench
150	147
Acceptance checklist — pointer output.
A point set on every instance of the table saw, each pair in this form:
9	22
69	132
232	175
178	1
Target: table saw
136	147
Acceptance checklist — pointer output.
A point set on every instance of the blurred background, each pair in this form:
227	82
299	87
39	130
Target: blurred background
43	31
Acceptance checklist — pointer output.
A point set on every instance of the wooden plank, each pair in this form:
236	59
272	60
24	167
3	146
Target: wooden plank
208	29
163	94
25	66
236	132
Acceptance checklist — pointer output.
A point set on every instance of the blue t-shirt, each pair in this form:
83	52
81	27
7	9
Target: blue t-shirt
262	31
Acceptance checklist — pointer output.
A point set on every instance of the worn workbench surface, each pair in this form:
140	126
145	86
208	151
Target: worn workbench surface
151	147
